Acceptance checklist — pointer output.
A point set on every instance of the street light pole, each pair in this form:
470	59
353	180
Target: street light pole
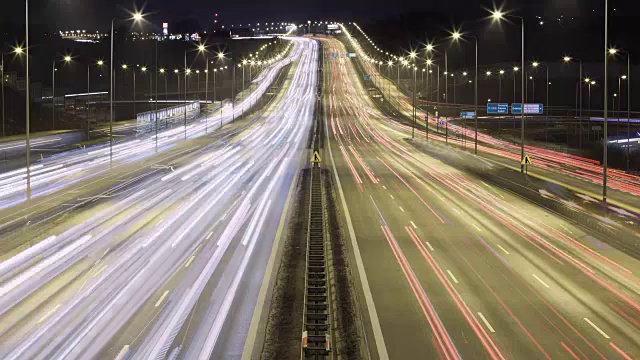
2	70
475	94
185	94
134	92
53	95
414	104
206	95
27	139
628	107
606	98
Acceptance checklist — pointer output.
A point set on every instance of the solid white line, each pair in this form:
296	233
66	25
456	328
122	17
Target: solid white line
208	236
122	353
570	232
414	225
476	226
249	345
452	277
366	289
189	261
401	209
429	245
486	323
597	328
503	249
162	298
542	282
48	313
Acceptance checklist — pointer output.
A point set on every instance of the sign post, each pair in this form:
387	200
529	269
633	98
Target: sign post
526	162
315	159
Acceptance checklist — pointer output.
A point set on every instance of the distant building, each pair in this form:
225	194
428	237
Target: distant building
82	35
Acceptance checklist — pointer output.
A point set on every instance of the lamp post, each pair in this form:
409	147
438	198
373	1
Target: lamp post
498	15
136	17
589	83
2	75
456	36
66	59
627	77
536	64
607	51
27	139
99	63
412	55
567	59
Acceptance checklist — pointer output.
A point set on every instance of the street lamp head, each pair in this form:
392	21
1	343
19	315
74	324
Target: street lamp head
530	77
464	73
412	54
144	68
18	50
67	58
188	71
175	71
497	15
515	68
201	48
593	82
429	62
488	73
124	66
623	77
162	71
587	80
429	47
456	35
137	16
220	55
535	64
566	58
501	72
100	63
613	51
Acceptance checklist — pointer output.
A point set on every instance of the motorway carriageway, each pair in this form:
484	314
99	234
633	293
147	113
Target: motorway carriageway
169	262
62	170
549	164
452	267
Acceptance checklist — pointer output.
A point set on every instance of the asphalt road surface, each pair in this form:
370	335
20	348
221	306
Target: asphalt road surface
164	255
453	267
69	168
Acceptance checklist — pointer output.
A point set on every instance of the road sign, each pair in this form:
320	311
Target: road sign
367	77
315	158
493	108
526	160
516	108
351	55
468	115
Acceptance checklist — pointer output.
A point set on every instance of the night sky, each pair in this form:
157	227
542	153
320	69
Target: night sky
92	14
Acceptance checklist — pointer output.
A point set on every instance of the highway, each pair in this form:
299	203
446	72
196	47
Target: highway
71	167
158	249
580	173
450	266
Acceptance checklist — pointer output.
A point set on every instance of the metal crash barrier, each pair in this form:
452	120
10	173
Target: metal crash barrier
166	115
